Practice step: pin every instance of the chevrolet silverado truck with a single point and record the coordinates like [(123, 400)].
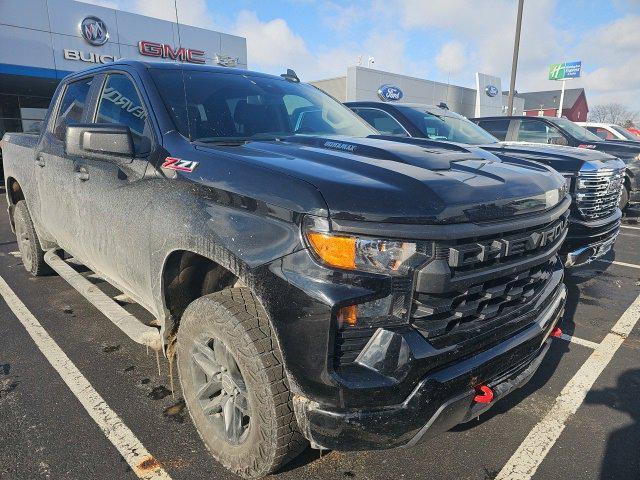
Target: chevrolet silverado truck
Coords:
[(594, 178), (564, 132), (318, 285)]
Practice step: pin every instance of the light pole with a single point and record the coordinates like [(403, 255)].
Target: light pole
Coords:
[(514, 63)]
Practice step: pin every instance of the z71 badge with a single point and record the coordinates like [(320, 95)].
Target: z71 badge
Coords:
[(179, 165)]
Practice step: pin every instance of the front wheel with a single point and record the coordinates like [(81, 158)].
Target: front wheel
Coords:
[(234, 383), (28, 243), (624, 198)]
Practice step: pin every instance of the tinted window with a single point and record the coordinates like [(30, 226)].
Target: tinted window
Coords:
[(209, 106), (603, 133), (381, 121), (72, 105), (498, 128), (576, 131), (624, 132), (442, 124), (120, 103), (536, 131)]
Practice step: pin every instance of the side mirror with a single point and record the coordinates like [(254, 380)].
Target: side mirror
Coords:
[(558, 141), (100, 141)]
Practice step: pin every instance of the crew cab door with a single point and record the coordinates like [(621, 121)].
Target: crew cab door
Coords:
[(55, 175), (114, 223)]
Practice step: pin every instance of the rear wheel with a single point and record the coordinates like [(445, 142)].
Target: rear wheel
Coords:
[(234, 384), (28, 243)]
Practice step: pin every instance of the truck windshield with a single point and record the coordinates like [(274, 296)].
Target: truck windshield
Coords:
[(446, 126), (219, 107), (625, 133), (576, 131)]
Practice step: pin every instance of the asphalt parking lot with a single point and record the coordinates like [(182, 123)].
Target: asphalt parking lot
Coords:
[(579, 417)]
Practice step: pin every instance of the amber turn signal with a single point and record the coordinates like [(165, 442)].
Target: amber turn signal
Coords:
[(348, 316), (334, 250)]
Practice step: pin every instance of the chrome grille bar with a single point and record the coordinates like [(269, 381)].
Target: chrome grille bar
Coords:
[(598, 192)]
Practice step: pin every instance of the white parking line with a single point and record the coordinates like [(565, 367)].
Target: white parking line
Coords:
[(630, 228), (143, 464), (579, 341), (620, 264), (532, 451)]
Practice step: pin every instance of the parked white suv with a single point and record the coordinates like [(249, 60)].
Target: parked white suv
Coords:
[(609, 131)]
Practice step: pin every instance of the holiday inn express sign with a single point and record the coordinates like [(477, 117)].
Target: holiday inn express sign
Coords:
[(562, 71)]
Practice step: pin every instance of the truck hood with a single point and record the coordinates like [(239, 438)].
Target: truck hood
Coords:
[(379, 180), (567, 160), (625, 150)]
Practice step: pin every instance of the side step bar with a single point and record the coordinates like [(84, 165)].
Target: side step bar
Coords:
[(125, 321)]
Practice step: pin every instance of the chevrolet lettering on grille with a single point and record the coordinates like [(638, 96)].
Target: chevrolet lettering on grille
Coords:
[(481, 252)]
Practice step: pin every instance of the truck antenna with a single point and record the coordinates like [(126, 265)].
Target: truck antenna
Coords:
[(290, 76)]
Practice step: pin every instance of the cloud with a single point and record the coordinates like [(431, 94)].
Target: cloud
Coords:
[(451, 58), (341, 18), (190, 12), (273, 46), (272, 43)]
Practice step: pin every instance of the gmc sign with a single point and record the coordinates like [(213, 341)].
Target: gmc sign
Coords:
[(163, 50)]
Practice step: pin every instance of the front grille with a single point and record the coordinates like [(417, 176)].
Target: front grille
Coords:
[(482, 252), (598, 193), (466, 288), (442, 317)]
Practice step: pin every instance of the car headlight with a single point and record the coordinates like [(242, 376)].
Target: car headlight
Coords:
[(351, 252)]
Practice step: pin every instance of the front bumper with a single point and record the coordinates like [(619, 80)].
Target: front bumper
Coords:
[(442, 399), (590, 240)]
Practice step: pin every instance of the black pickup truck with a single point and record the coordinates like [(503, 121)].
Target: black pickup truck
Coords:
[(594, 178), (317, 283), (561, 131)]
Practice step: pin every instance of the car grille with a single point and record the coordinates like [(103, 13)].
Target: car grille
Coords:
[(441, 318), (598, 193), (489, 280)]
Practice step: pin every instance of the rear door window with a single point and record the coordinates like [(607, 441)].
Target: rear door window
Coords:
[(496, 127), (537, 131), (72, 105)]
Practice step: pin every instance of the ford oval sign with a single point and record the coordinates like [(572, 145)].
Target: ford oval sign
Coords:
[(94, 31), (389, 93), (491, 90)]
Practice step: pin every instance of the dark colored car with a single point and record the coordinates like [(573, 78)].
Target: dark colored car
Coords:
[(560, 131), (319, 283), (594, 178)]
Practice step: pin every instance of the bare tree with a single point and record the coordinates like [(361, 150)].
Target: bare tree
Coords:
[(612, 113)]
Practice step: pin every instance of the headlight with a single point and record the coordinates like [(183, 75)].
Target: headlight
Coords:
[(350, 252)]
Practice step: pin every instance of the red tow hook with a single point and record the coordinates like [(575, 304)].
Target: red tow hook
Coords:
[(556, 332), (484, 394)]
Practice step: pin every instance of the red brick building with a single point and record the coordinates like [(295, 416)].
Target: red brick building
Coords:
[(574, 106)]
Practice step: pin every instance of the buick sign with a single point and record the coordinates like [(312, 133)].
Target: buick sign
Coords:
[(389, 93), (491, 90), (94, 31)]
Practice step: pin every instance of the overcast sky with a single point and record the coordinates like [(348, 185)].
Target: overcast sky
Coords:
[(444, 40)]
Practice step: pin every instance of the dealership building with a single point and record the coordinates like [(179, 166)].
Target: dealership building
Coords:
[(41, 41), (367, 84)]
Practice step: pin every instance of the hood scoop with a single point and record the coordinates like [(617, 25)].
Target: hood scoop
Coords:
[(434, 155)]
